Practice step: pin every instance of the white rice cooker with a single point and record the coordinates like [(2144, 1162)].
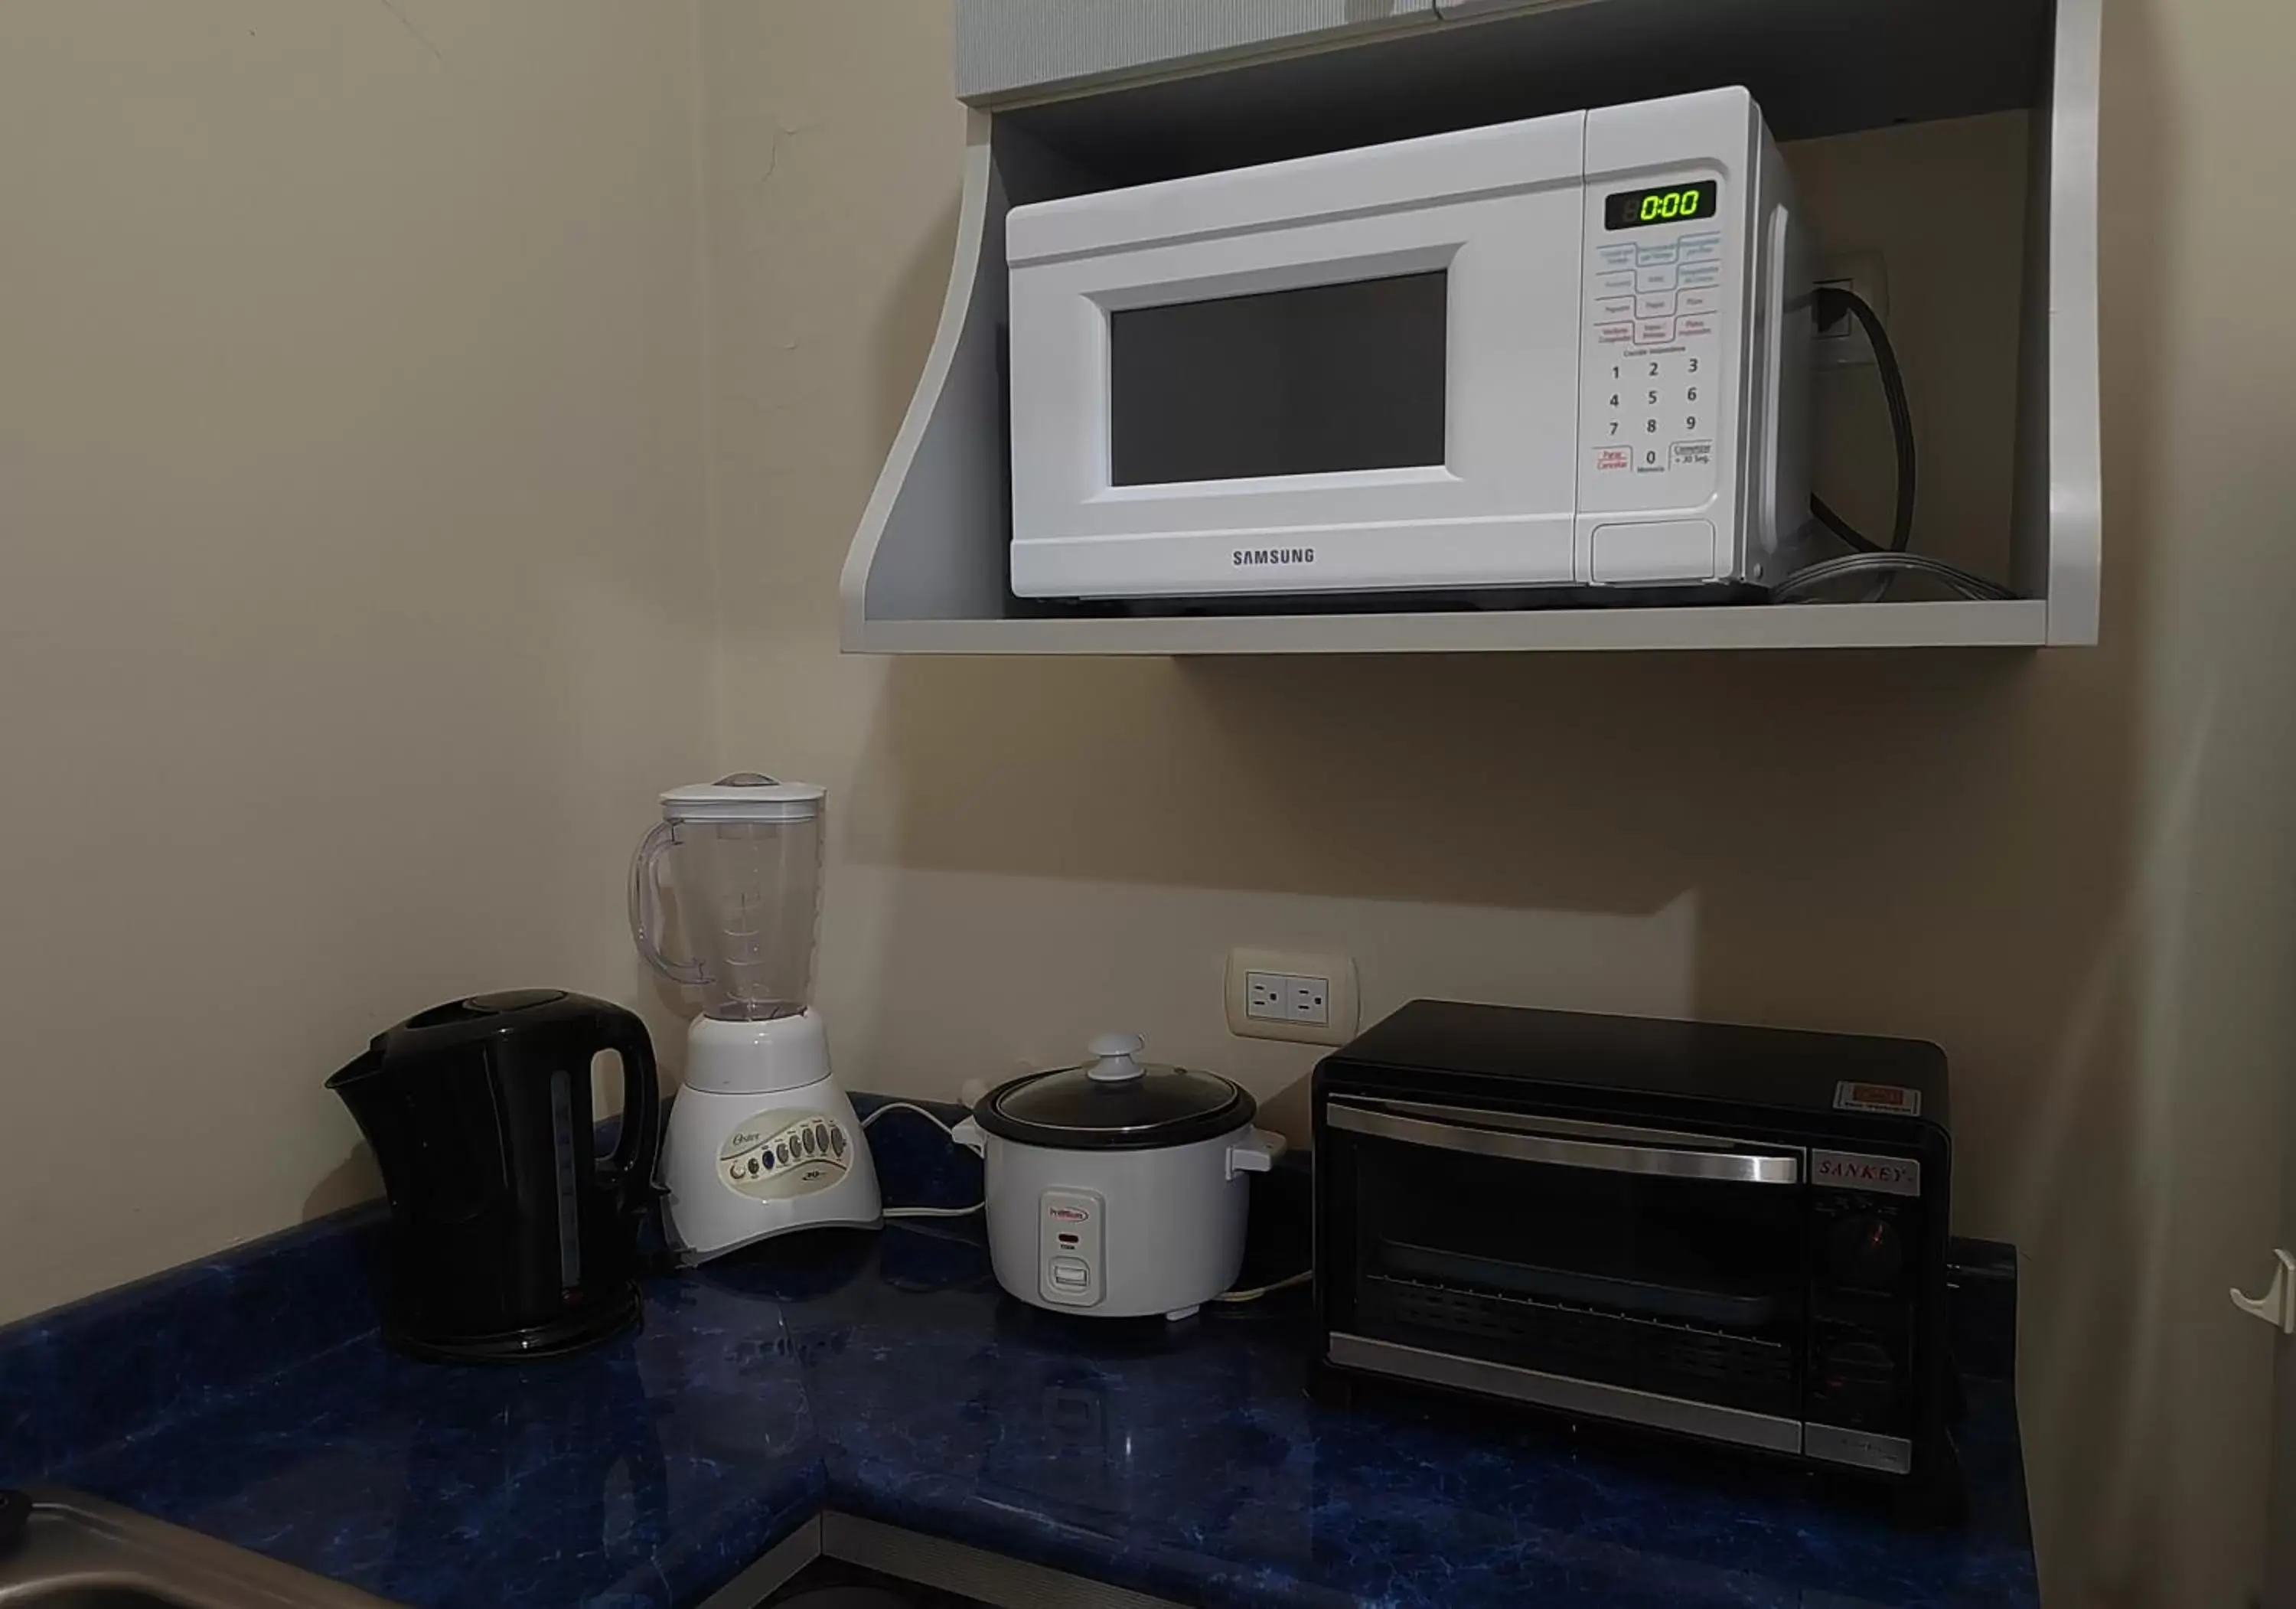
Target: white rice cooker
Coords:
[(1117, 1188)]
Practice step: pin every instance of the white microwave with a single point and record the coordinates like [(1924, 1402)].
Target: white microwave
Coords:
[(1569, 352)]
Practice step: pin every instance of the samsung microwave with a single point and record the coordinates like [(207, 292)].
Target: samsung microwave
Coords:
[(1569, 352)]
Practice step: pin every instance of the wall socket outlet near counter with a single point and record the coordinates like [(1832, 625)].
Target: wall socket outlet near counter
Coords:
[(1287, 995), (1845, 345)]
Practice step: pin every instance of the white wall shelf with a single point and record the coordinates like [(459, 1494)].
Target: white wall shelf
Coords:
[(2023, 623), (1182, 86)]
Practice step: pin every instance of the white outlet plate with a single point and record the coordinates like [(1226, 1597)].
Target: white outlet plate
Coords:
[(1267, 995), (1306, 998), (1845, 346)]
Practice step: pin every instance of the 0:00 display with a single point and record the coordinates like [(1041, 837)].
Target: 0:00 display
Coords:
[(1670, 204)]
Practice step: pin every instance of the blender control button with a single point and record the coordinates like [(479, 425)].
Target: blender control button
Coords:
[(767, 1158), (781, 1150), (837, 1141), (807, 1140), (753, 1167)]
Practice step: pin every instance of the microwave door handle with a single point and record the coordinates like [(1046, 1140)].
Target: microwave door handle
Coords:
[(1721, 1167)]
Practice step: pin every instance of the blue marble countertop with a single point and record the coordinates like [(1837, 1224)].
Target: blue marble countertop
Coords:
[(885, 1375)]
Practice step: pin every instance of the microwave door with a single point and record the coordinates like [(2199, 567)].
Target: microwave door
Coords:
[(1357, 372)]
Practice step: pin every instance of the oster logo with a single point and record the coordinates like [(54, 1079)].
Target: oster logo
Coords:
[(1847, 1170)]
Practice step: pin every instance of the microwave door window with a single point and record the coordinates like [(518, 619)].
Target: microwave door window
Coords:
[(1674, 1285), (1319, 379)]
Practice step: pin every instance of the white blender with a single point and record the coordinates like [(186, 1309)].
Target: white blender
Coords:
[(761, 1140)]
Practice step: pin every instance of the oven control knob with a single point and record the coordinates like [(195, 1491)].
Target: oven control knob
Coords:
[(1864, 1252)]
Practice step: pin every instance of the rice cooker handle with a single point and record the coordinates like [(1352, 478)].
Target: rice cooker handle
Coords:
[(1255, 1153), (967, 1134)]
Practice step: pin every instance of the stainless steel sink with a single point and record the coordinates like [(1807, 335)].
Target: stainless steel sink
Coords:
[(80, 1553)]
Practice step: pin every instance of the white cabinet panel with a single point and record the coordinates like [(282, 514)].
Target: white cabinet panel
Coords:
[(1010, 51)]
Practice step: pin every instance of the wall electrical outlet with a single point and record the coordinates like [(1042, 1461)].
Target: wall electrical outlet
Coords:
[(1844, 344), (1266, 997), (1308, 1000), (1280, 994)]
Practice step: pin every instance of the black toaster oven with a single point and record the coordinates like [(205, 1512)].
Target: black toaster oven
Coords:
[(1731, 1233)]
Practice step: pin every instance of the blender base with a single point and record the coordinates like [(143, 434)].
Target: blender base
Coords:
[(762, 1141)]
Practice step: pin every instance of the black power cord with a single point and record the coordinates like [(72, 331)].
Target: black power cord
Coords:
[(1833, 304)]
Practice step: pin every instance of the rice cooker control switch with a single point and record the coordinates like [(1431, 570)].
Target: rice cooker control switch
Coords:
[(1069, 1269)]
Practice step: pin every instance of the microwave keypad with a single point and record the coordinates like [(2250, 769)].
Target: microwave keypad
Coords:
[(1648, 409)]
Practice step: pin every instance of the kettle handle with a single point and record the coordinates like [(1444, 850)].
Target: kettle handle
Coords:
[(632, 1163), (645, 908)]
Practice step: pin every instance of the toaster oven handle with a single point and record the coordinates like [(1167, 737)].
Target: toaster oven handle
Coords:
[(1573, 1151)]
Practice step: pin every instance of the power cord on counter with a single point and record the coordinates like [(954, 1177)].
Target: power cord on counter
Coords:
[(1257, 1292), (911, 1106), (887, 1106), (1833, 304), (932, 1212)]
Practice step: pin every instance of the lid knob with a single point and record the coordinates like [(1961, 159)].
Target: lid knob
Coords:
[(1115, 1054)]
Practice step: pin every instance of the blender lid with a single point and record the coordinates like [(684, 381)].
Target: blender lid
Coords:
[(1115, 1102), (744, 796)]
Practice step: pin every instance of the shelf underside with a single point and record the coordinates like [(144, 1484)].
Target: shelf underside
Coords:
[(1817, 67), (2022, 623)]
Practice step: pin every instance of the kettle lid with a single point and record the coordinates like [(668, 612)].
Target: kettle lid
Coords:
[(472, 1018), (478, 1007)]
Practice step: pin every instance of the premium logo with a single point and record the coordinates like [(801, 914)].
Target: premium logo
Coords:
[(1274, 556), (1893, 1099)]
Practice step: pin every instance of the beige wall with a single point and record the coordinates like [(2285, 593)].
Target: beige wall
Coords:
[(353, 572), (2070, 869)]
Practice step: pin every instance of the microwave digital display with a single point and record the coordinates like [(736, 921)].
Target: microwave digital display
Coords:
[(1667, 204), (1319, 379)]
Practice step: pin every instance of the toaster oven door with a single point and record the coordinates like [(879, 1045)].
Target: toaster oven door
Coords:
[(1630, 1273)]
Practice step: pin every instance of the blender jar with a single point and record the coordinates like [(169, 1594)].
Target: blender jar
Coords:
[(744, 867)]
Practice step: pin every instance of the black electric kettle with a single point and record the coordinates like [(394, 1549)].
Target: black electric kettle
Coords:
[(509, 1236)]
